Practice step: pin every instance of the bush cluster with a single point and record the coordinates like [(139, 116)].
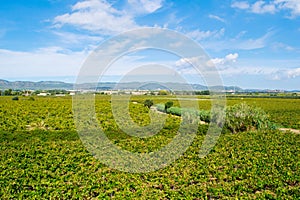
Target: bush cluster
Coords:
[(239, 117), (203, 115), (242, 117)]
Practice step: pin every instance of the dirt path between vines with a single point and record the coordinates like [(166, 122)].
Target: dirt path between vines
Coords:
[(290, 130)]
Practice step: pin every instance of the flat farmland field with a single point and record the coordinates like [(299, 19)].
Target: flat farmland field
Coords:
[(42, 156)]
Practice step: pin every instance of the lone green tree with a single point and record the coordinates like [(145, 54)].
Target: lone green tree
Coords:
[(169, 104), (8, 92), (163, 92), (148, 103)]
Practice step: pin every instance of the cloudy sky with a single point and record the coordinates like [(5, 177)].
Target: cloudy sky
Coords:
[(253, 43)]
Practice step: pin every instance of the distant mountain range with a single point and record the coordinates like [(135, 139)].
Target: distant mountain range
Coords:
[(50, 85), (29, 85)]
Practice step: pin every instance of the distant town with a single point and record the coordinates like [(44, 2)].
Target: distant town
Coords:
[(62, 93)]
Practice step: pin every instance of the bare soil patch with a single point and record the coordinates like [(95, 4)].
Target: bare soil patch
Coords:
[(290, 130)]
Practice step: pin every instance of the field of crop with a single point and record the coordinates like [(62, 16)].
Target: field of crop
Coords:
[(41, 155)]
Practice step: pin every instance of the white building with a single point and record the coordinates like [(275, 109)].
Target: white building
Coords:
[(43, 94)]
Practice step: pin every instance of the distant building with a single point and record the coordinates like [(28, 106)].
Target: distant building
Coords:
[(141, 92), (43, 94), (27, 93), (110, 92)]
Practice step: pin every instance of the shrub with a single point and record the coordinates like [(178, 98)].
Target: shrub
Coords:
[(217, 115), (204, 115), (242, 117), (31, 99), (174, 111), (148, 103), (190, 114), (160, 107), (15, 98)]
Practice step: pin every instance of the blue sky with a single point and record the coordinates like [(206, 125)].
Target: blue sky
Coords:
[(253, 43)]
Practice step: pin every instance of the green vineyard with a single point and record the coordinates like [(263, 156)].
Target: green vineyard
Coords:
[(42, 155)]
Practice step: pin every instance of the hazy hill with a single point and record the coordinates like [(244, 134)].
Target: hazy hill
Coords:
[(29, 85), (47, 85)]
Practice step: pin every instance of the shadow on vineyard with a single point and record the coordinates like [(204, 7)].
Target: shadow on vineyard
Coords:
[(257, 161)]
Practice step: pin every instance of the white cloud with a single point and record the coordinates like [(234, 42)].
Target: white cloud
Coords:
[(293, 73), (99, 16), (240, 34), (216, 18), (251, 43), (145, 6), (200, 35), (262, 7), (227, 68), (96, 15), (238, 43), (227, 60), (193, 64), (243, 5), (270, 70), (73, 38), (241, 70), (211, 40), (259, 7), (50, 61), (278, 46), (186, 62), (292, 5), (231, 57), (246, 70), (282, 74)]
